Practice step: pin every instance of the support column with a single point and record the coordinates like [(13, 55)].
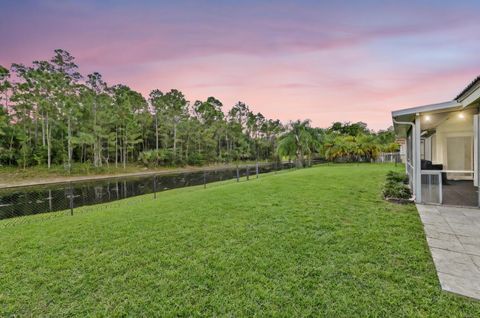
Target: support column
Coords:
[(477, 159), (416, 160), (475, 150), (406, 155)]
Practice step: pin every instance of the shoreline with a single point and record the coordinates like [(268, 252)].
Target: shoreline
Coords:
[(73, 179)]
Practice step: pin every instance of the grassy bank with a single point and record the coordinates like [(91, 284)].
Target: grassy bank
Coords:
[(310, 242)]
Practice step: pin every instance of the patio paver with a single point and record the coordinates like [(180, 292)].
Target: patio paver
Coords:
[(453, 236)]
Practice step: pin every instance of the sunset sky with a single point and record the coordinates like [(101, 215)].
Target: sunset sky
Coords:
[(348, 61)]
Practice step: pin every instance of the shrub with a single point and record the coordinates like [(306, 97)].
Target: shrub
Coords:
[(154, 158), (148, 158), (40, 155), (396, 190), (393, 176), (196, 159), (396, 186)]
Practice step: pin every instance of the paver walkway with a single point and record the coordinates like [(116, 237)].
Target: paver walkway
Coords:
[(453, 235)]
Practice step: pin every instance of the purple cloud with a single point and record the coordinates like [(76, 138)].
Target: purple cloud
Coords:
[(343, 61)]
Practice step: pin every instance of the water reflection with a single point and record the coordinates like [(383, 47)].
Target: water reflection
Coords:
[(48, 198)]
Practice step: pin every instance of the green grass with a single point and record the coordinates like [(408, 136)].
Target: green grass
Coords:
[(311, 242)]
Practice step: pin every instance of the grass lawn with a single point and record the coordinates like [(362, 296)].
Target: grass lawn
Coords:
[(311, 242)]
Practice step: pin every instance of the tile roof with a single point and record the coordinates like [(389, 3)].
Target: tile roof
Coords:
[(468, 88)]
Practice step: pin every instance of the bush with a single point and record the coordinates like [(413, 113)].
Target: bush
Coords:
[(40, 155), (396, 190), (152, 158), (393, 176), (196, 159), (148, 158), (396, 186)]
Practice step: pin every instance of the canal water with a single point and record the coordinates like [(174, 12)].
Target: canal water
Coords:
[(21, 201)]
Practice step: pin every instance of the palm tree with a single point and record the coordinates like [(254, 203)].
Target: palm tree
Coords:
[(335, 147), (351, 148), (369, 146), (299, 141)]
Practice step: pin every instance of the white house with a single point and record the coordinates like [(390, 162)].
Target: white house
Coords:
[(442, 148)]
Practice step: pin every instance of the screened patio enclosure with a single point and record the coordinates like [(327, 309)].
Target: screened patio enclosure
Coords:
[(442, 149), (447, 172)]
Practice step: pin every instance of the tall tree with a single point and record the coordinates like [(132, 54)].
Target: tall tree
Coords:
[(128, 105), (4, 86), (211, 116), (157, 102), (65, 78), (237, 123), (98, 88), (176, 109), (41, 77)]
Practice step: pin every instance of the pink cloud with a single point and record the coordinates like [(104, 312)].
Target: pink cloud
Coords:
[(288, 61)]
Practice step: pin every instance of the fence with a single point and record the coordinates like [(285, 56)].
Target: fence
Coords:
[(27, 204), (394, 157)]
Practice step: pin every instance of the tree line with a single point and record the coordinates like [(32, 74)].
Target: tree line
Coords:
[(50, 114)]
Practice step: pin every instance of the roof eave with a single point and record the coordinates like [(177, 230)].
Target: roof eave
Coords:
[(427, 108)]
